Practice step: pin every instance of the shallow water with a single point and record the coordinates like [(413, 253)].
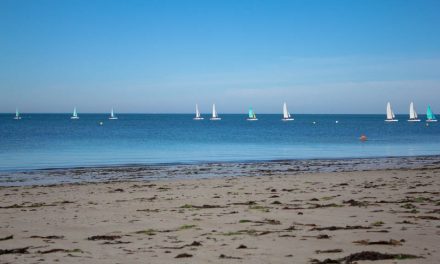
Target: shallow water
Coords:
[(54, 141)]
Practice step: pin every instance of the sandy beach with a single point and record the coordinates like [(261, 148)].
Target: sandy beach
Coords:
[(318, 217), (220, 132)]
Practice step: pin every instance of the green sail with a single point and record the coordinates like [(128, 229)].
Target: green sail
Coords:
[(429, 114), (251, 113)]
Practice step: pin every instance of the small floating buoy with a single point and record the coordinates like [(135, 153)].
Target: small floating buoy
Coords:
[(337, 122), (101, 123), (314, 122), (427, 124), (363, 138)]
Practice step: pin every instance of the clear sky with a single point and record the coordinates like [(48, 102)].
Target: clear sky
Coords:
[(165, 56)]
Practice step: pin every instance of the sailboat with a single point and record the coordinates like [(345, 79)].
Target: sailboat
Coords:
[(214, 114), (112, 115), (74, 115), (198, 117), (17, 115), (430, 117), (390, 114), (286, 114), (252, 116), (412, 114)]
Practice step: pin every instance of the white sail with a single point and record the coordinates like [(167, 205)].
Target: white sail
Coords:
[(198, 117), (390, 114), (112, 115), (74, 115), (286, 113), (412, 112), (214, 112), (197, 111)]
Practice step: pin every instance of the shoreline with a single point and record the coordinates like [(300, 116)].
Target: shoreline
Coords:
[(262, 218), (195, 163), (177, 171)]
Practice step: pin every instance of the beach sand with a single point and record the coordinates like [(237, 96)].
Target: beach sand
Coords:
[(260, 219)]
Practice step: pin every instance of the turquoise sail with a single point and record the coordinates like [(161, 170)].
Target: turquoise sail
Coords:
[(429, 114), (251, 113)]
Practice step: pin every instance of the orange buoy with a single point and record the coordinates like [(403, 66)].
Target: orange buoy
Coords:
[(363, 138)]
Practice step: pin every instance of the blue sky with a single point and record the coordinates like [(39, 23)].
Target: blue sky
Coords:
[(165, 56)]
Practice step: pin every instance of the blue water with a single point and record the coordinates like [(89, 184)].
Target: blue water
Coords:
[(54, 141)]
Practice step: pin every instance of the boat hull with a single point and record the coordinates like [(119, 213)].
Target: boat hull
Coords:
[(413, 120), (431, 120), (74, 117), (112, 118), (391, 120), (252, 119), (215, 118), (17, 118), (198, 118), (287, 119)]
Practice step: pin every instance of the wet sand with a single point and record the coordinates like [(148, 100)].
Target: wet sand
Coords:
[(270, 217), (210, 170)]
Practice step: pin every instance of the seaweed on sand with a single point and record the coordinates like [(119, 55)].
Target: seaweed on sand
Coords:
[(56, 250), (183, 255), (14, 251), (6, 238), (391, 242), (334, 228), (104, 237), (364, 255), (223, 256)]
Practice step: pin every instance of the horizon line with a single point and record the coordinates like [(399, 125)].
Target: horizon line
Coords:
[(185, 113)]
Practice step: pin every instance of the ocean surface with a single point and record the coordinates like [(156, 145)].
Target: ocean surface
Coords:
[(39, 141)]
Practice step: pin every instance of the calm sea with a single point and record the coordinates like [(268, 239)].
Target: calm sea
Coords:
[(55, 141)]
